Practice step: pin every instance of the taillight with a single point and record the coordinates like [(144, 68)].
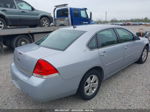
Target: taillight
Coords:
[(44, 69)]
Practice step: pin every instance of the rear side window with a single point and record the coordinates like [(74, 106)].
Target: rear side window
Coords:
[(93, 43), (106, 38), (60, 39), (124, 35), (23, 5), (62, 13), (7, 4)]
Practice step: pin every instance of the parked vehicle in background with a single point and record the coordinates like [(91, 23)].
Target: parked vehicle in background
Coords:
[(67, 16), (20, 13), (95, 52), (147, 35)]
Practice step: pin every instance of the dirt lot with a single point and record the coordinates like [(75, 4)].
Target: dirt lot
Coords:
[(129, 89)]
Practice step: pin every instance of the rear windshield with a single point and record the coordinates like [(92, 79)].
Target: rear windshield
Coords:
[(60, 39), (62, 13)]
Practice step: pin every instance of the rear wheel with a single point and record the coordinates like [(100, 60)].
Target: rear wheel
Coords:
[(20, 41), (45, 22), (144, 56), (2, 24), (90, 85)]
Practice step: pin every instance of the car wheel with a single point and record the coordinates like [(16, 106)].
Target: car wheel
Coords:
[(2, 24), (45, 22), (90, 85), (20, 41), (144, 56)]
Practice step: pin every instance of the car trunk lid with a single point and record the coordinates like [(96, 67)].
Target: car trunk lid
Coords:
[(26, 57)]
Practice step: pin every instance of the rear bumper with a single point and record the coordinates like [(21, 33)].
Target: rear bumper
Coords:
[(40, 89)]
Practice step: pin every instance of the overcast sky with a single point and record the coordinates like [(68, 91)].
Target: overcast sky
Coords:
[(119, 9)]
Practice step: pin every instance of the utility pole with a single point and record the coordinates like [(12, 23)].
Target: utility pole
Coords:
[(106, 16)]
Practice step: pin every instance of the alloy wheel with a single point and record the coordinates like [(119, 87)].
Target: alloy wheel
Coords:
[(91, 85), (45, 22)]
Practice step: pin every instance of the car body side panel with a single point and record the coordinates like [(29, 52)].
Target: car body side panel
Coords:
[(11, 15), (133, 51), (112, 58)]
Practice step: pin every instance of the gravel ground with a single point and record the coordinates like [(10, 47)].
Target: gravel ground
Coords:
[(129, 89)]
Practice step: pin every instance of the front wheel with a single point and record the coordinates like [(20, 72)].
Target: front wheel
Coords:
[(144, 56), (45, 22), (89, 85)]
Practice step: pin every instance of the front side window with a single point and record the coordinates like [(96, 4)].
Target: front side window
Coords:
[(84, 14), (60, 39), (124, 35), (23, 5), (106, 38), (7, 4)]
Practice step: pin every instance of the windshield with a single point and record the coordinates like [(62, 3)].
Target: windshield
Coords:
[(60, 39)]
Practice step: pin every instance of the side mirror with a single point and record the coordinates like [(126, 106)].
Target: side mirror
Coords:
[(90, 15), (136, 37)]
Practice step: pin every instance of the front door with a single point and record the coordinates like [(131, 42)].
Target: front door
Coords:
[(130, 45), (27, 14), (110, 52)]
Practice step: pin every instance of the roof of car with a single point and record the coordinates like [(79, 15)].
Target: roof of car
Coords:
[(94, 27)]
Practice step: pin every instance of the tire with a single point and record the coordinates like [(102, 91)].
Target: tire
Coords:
[(3, 24), (143, 56), (1, 48), (20, 41), (45, 22), (86, 85)]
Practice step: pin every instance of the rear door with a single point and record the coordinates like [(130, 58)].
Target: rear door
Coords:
[(110, 52), (131, 46), (10, 11)]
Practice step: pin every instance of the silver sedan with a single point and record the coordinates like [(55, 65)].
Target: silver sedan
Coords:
[(75, 60)]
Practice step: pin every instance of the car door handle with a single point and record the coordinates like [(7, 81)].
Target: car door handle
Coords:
[(23, 11), (103, 53)]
